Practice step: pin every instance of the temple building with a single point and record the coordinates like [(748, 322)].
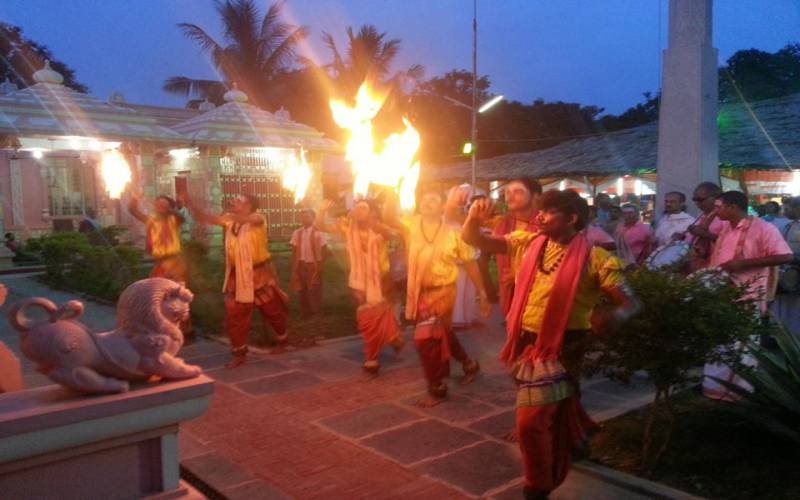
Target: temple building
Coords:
[(53, 141)]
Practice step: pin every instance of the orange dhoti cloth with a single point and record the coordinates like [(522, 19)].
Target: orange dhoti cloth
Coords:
[(269, 299), (433, 333), (378, 327)]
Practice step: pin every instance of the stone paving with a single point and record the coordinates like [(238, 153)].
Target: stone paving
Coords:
[(308, 424)]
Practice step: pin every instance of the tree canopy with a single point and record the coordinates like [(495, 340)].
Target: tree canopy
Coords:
[(21, 57), (254, 53)]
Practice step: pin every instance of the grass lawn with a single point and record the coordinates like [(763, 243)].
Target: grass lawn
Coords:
[(714, 453), (338, 314)]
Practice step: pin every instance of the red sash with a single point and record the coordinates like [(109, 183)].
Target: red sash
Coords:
[(559, 306)]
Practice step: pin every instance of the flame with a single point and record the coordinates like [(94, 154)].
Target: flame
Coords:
[(297, 176), (393, 164), (116, 173)]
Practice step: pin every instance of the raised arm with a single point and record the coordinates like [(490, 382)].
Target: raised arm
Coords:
[(133, 208), (200, 216), (454, 206), (481, 211), (321, 221)]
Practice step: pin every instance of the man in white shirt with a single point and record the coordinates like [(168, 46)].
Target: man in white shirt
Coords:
[(308, 256), (675, 219)]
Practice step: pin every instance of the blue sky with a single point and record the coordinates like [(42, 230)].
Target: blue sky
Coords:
[(602, 52)]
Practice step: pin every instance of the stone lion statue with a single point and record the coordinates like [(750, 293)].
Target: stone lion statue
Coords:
[(144, 343)]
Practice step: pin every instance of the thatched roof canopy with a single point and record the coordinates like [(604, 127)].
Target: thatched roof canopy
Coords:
[(742, 144)]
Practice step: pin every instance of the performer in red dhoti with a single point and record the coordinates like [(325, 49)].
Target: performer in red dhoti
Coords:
[(369, 279), (250, 279), (163, 241), (521, 198), (559, 278), (434, 251), (308, 257)]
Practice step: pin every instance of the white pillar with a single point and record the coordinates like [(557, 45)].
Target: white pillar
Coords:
[(687, 126)]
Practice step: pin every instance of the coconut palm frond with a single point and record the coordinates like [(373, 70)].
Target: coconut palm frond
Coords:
[(206, 42), (286, 52), (240, 23), (182, 85)]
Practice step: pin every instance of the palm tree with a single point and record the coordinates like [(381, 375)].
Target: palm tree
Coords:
[(255, 53), (369, 57)]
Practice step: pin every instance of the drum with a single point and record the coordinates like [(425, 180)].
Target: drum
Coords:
[(789, 279), (670, 257)]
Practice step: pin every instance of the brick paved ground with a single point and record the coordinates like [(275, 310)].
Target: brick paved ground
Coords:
[(308, 424)]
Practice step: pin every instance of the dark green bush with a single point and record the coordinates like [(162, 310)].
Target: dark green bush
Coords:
[(72, 262), (682, 324)]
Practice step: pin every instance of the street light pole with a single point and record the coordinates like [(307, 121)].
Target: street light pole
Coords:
[(474, 89)]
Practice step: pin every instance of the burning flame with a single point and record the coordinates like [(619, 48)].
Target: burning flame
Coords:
[(296, 177), (393, 165), (116, 173)]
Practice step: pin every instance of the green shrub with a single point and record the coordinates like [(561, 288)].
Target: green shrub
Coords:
[(71, 261), (682, 324)]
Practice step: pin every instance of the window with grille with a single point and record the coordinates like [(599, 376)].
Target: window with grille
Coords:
[(71, 186), (257, 172)]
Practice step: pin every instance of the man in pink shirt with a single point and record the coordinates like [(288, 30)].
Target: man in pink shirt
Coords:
[(705, 229), (634, 238), (746, 248)]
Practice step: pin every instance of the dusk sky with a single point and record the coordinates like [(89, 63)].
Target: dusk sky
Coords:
[(601, 52)]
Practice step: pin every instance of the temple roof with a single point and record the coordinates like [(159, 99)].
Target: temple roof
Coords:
[(48, 108), (237, 123), (762, 135)]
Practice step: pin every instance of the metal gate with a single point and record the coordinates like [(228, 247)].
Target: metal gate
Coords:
[(256, 172)]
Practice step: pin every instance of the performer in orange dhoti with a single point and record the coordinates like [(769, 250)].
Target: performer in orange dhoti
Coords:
[(250, 279), (559, 278), (163, 241), (369, 279), (434, 251)]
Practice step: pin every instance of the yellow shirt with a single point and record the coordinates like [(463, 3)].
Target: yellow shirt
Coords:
[(163, 236), (453, 251), (258, 240), (602, 272)]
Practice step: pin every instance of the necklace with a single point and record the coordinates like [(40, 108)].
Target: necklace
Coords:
[(436, 233), (555, 265)]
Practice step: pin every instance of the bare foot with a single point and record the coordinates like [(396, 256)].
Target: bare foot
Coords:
[(471, 370), (429, 401), (282, 339), (512, 436)]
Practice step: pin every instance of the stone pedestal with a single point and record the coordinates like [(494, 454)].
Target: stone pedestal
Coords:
[(56, 444)]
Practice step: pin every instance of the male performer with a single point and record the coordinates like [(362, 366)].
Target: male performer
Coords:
[(675, 220), (435, 249), (521, 199), (163, 237), (634, 238), (308, 258), (369, 281), (559, 280), (250, 279), (705, 229), (746, 248)]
